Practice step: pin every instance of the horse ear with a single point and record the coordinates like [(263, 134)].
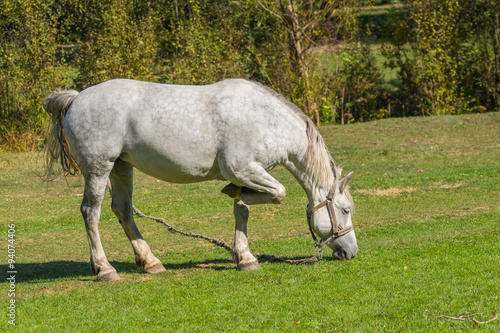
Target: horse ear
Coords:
[(336, 175), (345, 182)]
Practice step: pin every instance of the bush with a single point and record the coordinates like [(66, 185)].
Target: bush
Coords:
[(29, 70), (447, 55), (116, 44), (361, 86)]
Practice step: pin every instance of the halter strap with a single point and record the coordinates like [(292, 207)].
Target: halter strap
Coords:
[(337, 230)]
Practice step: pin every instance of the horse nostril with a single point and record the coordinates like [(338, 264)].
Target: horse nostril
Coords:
[(339, 254)]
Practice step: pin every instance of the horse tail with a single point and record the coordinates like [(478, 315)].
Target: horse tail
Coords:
[(57, 146)]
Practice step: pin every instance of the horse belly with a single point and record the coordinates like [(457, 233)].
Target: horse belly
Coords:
[(171, 168), (176, 153)]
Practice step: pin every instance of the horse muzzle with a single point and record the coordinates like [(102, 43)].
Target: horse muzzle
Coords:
[(341, 254)]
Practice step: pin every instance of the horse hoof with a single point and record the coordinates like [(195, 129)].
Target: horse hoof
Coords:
[(231, 190), (158, 268), (249, 266), (108, 276)]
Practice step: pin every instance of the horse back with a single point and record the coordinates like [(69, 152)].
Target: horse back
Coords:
[(180, 133)]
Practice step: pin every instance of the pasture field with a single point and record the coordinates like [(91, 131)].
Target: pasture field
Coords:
[(427, 222)]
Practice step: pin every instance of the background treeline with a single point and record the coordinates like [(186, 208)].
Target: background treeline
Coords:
[(339, 60)]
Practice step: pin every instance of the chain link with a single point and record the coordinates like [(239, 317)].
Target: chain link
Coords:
[(319, 250), (222, 243)]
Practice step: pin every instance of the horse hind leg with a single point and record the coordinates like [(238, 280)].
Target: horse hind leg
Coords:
[(121, 191), (95, 187)]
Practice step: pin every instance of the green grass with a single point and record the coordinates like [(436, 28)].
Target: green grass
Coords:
[(427, 223)]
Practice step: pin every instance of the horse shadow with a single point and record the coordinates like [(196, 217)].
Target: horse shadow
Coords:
[(54, 270)]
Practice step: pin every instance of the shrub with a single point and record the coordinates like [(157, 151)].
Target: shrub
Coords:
[(447, 55), (116, 44), (29, 70)]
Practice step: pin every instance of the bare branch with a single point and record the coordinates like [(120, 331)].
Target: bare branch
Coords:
[(316, 44), (269, 11), (485, 322), (463, 317)]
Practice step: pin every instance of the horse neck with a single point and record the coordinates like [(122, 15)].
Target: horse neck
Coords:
[(310, 163), (315, 186)]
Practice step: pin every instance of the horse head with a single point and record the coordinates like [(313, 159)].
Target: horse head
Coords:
[(331, 219)]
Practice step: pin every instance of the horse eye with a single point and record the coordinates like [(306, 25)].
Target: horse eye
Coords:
[(346, 210)]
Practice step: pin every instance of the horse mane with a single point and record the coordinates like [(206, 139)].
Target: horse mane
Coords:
[(317, 159)]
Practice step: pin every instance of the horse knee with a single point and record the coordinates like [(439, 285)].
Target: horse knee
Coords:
[(88, 212), (84, 209), (279, 195)]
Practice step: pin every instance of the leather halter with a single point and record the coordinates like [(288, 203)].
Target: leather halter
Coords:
[(338, 231)]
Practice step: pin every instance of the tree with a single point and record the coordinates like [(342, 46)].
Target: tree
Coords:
[(29, 69), (307, 26), (116, 43), (447, 55)]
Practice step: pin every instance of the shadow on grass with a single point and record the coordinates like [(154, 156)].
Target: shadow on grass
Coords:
[(37, 272), (215, 264)]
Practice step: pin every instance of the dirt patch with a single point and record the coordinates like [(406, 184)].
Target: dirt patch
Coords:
[(47, 291), (388, 192), (397, 191), (445, 185)]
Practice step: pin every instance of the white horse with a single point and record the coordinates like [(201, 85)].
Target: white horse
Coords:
[(234, 130)]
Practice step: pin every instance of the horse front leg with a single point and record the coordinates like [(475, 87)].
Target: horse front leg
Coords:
[(241, 252), (95, 187), (250, 186)]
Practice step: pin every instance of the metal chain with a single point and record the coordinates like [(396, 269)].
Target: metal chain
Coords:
[(319, 250), (222, 243)]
